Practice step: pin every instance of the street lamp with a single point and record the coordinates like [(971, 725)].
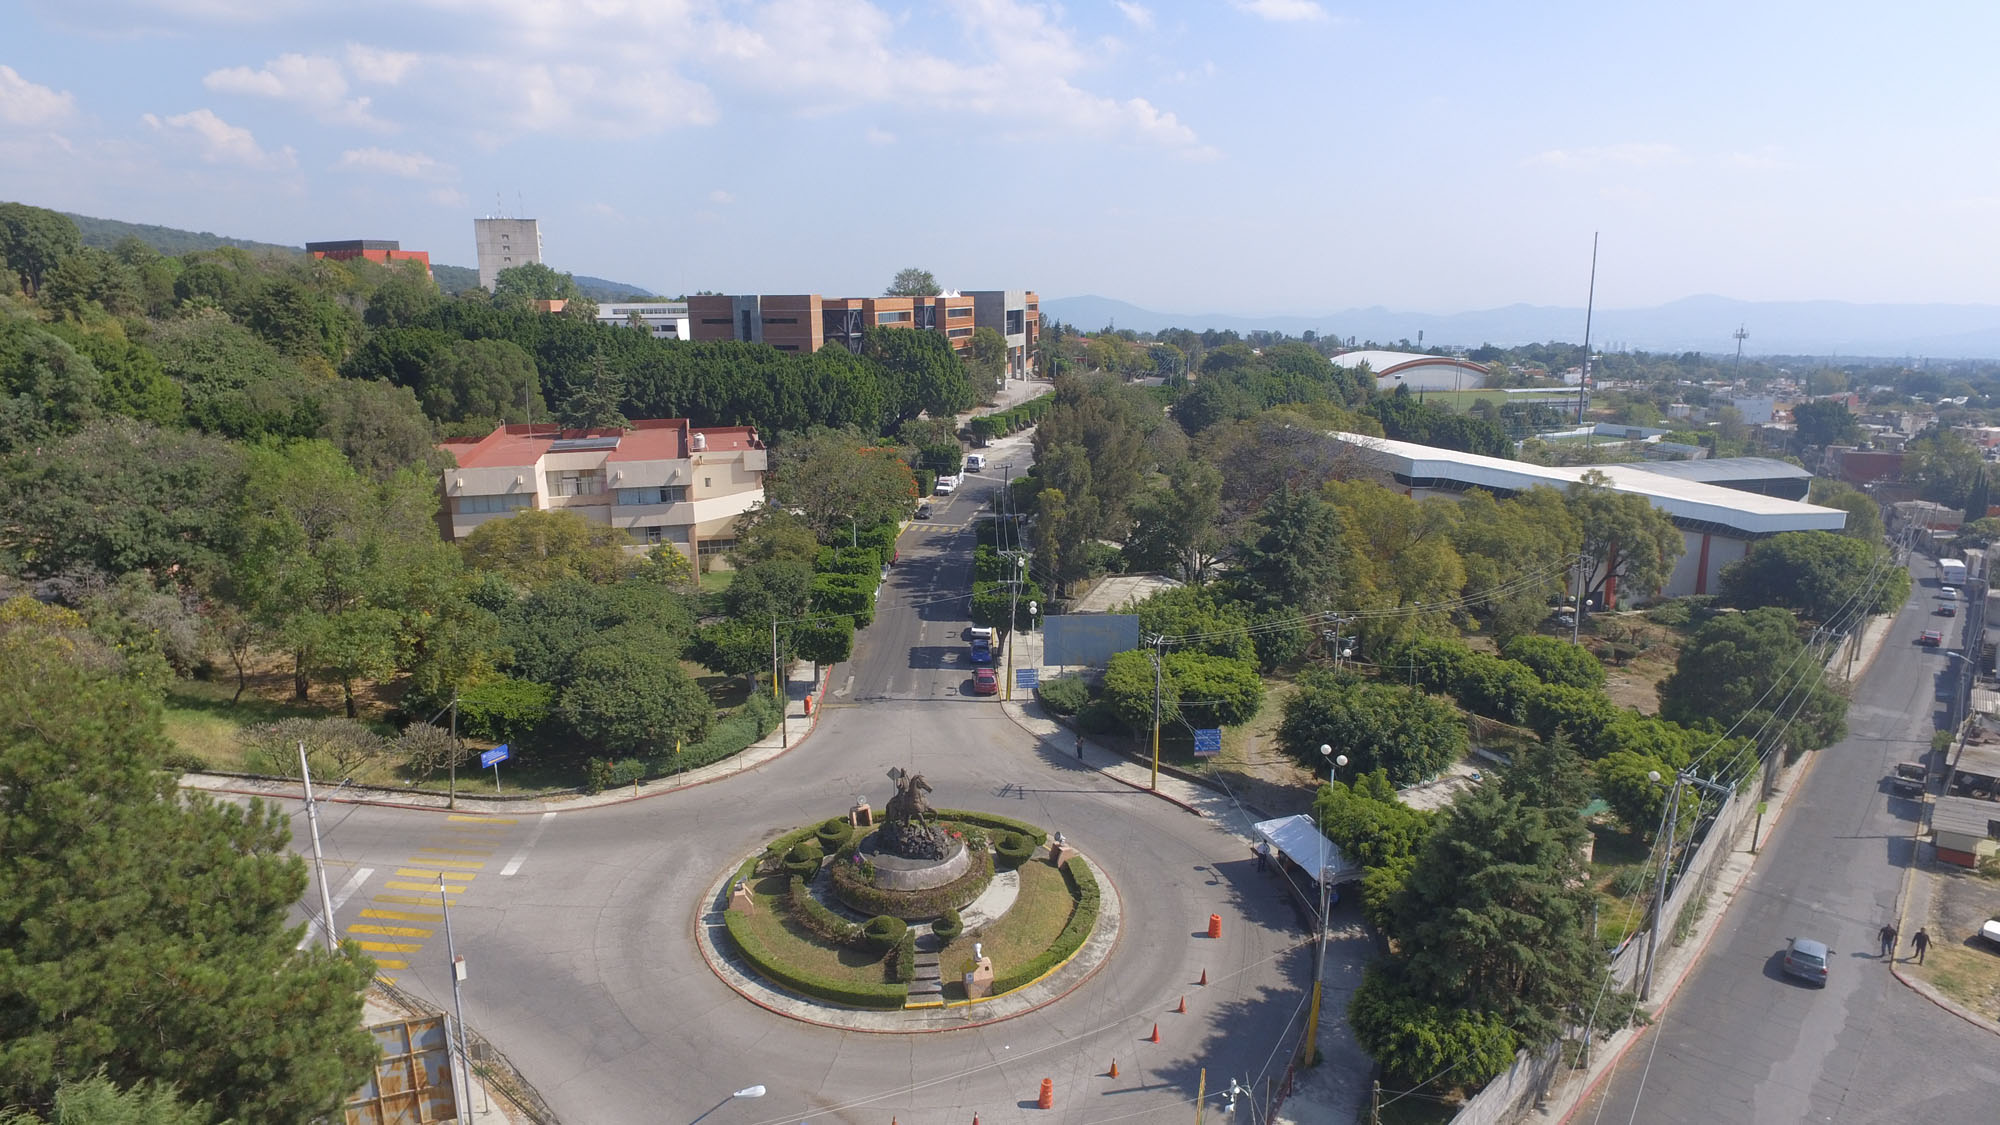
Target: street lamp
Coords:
[(1335, 763), (749, 1092), (1034, 611)]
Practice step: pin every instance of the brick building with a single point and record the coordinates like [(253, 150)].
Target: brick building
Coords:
[(372, 249), (806, 322)]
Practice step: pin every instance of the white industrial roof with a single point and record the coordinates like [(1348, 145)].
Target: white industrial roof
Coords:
[(1682, 499), (1296, 837), (1384, 363)]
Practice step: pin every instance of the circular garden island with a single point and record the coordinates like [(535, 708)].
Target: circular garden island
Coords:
[(922, 908)]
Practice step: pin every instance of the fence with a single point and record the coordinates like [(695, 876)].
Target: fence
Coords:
[(489, 1067)]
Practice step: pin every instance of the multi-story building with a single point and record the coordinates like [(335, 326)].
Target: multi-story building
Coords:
[(504, 244), (372, 249), (666, 320), (806, 322), (1016, 314), (663, 480)]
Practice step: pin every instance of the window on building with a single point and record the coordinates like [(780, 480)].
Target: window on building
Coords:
[(666, 494), (484, 505), (786, 347), (715, 320), (716, 547), (1016, 322), (958, 333), (781, 320), (956, 313), (575, 482), (893, 316)]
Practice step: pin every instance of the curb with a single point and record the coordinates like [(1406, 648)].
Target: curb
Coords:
[(1172, 800)]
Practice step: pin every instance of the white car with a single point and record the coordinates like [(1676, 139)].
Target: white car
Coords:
[(945, 486), (1948, 593), (974, 463)]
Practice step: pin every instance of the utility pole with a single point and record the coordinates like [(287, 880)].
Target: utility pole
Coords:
[(1583, 383), (1201, 1096), (1319, 956), (457, 1002), (1660, 886), (319, 861), (1013, 615), (451, 802), (1159, 645), (778, 687), (1576, 611)]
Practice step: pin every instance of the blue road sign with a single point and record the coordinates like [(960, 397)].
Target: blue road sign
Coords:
[(1208, 743), (1027, 678), (494, 756)]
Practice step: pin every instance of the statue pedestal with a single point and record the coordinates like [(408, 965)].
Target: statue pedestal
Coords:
[(739, 898), (979, 982), (1059, 854), (861, 816)]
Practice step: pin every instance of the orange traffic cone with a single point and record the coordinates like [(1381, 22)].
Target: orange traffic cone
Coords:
[(1156, 1033), (1215, 925), (1048, 1098), (1114, 1069), (1181, 1010), (1204, 978)]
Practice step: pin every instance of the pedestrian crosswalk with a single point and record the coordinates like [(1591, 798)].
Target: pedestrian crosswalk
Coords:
[(401, 919)]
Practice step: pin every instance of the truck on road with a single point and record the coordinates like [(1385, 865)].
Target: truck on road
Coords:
[(1951, 572)]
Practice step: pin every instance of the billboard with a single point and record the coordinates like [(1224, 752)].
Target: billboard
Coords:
[(1088, 639)]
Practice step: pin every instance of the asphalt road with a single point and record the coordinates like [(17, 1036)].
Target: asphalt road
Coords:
[(577, 927), (1742, 1042)]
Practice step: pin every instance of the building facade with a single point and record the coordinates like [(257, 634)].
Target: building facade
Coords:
[(807, 322), (666, 320), (662, 481), (503, 244), (371, 249)]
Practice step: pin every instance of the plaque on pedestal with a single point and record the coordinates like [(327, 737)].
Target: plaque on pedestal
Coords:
[(739, 898), (861, 816), (1059, 853), (979, 982)]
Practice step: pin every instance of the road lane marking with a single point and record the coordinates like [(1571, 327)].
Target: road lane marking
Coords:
[(390, 963), (481, 819), (434, 873), (405, 915), (458, 851), (388, 931), (346, 892), (391, 946), (385, 978), (474, 864), (521, 856), (415, 900)]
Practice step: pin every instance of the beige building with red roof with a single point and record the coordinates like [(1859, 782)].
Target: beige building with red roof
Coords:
[(663, 480)]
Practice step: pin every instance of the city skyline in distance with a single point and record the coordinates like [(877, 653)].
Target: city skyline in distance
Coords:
[(1260, 157)]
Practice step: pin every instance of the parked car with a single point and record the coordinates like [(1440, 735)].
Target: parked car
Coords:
[(945, 486), (975, 462), (1909, 778), (985, 681), (980, 633), (1931, 638), (1991, 931), (1948, 593), (1947, 610), (982, 651), (924, 510), (1807, 959)]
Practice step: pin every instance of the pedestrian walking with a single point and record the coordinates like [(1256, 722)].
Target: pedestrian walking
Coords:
[(1079, 748), (1888, 935), (1922, 941), (1263, 851)]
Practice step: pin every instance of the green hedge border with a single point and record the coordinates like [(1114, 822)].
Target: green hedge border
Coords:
[(995, 821), (777, 972), (911, 905), (1082, 921)]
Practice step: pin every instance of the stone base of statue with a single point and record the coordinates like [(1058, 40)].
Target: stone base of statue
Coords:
[(897, 871), (913, 840)]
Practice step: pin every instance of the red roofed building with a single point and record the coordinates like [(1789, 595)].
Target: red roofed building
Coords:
[(662, 480), (374, 250)]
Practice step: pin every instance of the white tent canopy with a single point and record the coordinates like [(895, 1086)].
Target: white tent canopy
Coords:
[(1296, 839)]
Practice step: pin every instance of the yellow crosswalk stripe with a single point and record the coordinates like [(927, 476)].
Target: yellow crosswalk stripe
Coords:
[(481, 819), (431, 887), (474, 864), (458, 851), (388, 931), (434, 873), (405, 915), (385, 978), (390, 946), (390, 963)]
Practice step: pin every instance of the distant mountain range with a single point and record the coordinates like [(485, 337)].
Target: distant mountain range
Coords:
[(107, 233), (1705, 323)]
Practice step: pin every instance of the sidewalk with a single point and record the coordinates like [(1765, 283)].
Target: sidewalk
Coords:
[(799, 687)]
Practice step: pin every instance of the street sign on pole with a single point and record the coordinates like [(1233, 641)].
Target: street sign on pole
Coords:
[(493, 758), (1208, 743), (1027, 678)]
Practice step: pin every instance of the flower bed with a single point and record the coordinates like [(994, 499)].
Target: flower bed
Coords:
[(994, 822)]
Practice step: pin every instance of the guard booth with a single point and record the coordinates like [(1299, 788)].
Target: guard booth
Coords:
[(1308, 858)]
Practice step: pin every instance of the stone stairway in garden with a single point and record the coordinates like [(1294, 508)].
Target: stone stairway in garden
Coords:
[(927, 985)]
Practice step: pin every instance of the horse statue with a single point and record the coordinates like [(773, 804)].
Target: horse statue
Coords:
[(909, 827), (908, 805)]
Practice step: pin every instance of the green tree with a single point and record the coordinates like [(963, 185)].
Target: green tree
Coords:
[(1743, 669), (734, 648), (96, 1100), (1555, 661), (1549, 774), (595, 405), (986, 361), (406, 298), (533, 281), (830, 477), (532, 548), (1516, 553), (147, 931), (913, 282), (1864, 518), (633, 701), (1215, 691), (33, 240), (92, 278), (1943, 466), (1368, 822), (1406, 732), (1825, 423), (1299, 553), (1626, 540), (921, 374), (544, 631), (1128, 691), (1820, 575), (1176, 525), (486, 380), (1416, 1040), (1400, 556)]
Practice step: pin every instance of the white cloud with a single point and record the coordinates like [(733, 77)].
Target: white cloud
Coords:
[(448, 197), (379, 64), (1283, 11), (875, 136), (1140, 15), (408, 165), (24, 103), (1627, 155), (219, 141), (312, 82), (720, 196)]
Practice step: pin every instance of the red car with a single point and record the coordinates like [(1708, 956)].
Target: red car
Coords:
[(985, 681), (1931, 638)]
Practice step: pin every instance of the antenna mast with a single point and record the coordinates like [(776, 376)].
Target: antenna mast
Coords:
[(1590, 304), (1741, 336)]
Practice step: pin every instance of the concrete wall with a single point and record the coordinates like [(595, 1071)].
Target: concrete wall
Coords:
[(503, 244)]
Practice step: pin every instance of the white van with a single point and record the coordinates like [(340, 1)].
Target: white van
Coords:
[(979, 633), (974, 462)]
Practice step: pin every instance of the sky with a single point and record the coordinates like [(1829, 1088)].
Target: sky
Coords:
[(1251, 157)]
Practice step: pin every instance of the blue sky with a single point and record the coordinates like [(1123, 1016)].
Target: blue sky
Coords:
[(1239, 156)]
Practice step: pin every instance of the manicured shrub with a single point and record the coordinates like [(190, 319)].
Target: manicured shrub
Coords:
[(1083, 885), (948, 926), (905, 969), (599, 774), (994, 822), (815, 917), (884, 932), (1065, 695), (775, 970), (803, 859), (851, 886), (776, 850), (1012, 850), (833, 835)]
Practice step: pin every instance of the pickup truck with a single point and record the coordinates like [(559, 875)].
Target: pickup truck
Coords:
[(1908, 780)]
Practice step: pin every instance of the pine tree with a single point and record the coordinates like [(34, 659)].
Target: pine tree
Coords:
[(1549, 775), (142, 930)]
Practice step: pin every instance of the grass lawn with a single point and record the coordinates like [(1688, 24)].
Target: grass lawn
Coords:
[(727, 693), (201, 721), (1028, 929), (798, 948), (1964, 972), (1615, 853), (716, 581)]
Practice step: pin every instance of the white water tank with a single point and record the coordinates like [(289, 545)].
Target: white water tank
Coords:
[(699, 442)]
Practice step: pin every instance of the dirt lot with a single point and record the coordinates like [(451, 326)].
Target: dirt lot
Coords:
[(1960, 964)]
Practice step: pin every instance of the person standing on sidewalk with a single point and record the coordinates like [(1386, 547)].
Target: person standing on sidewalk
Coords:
[(1263, 851), (1888, 935), (1079, 747), (1921, 941)]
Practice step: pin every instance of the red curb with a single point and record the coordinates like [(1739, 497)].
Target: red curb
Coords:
[(1175, 801)]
